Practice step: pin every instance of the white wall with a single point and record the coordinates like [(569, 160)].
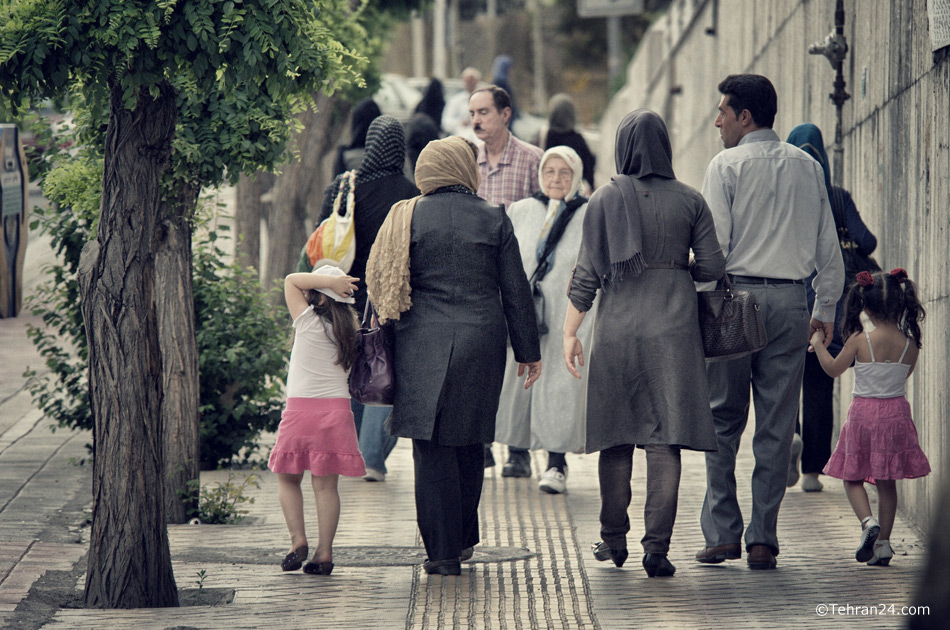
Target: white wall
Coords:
[(896, 138)]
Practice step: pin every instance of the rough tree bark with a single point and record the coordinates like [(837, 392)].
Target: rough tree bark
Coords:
[(129, 563), (176, 326), (298, 190), (247, 217)]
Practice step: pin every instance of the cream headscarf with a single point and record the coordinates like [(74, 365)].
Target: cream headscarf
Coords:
[(447, 162), (573, 160)]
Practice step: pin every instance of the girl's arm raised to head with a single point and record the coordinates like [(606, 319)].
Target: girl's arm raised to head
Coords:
[(296, 286), (835, 366)]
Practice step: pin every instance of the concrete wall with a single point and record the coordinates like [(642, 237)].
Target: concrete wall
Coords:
[(896, 129)]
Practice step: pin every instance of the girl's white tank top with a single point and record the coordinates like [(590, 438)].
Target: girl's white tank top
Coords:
[(880, 379), (313, 371)]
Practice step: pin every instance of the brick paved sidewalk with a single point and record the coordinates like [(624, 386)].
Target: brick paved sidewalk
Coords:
[(537, 570)]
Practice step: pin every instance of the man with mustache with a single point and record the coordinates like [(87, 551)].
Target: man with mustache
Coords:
[(508, 166)]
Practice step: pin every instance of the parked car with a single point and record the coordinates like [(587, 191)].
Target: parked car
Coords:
[(397, 97)]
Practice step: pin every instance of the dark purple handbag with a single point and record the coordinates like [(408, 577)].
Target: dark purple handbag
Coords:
[(372, 381)]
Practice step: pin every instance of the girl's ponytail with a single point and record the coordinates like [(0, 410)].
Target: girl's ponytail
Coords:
[(343, 325), (913, 310), (853, 305)]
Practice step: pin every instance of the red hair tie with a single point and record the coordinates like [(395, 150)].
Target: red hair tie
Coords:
[(865, 279), (899, 274)]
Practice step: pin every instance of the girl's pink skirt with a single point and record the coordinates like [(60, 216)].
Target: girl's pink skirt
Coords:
[(319, 435), (879, 441)]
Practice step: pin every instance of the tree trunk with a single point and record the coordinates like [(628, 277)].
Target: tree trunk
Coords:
[(298, 191), (248, 215), (129, 563), (175, 305)]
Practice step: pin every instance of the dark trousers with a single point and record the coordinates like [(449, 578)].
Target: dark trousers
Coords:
[(818, 416), (615, 469), (448, 489)]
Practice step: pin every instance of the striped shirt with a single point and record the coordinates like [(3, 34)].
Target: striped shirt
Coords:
[(516, 175)]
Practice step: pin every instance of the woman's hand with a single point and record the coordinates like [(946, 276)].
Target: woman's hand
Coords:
[(573, 348), (534, 371)]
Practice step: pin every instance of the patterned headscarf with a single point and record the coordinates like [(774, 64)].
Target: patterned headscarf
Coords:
[(385, 150), (385, 155), (447, 162)]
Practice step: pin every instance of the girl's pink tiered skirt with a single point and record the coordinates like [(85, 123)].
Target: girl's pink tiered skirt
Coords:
[(319, 435), (879, 441)]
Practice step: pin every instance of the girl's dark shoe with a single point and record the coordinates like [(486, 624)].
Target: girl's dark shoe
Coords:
[(293, 560), (603, 553), (318, 568), (657, 565), (449, 566)]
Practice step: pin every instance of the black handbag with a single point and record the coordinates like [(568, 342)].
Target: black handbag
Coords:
[(538, 296), (550, 244), (372, 379), (731, 323), (854, 261)]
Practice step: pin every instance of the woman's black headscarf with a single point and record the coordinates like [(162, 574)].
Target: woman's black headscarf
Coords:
[(612, 233), (365, 112), (433, 102)]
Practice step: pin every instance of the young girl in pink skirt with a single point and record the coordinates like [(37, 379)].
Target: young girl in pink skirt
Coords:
[(878, 443), (316, 431)]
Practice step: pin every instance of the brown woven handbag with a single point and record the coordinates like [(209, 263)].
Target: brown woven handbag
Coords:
[(731, 323)]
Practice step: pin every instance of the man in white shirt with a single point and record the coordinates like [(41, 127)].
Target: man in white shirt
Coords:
[(775, 225), (456, 120)]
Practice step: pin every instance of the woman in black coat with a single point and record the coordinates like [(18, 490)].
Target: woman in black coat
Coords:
[(447, 268)]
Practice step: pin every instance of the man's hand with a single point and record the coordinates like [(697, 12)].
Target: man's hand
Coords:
[(827, 329)]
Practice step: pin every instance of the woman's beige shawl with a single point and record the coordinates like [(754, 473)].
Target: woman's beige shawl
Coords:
[(447, 162)]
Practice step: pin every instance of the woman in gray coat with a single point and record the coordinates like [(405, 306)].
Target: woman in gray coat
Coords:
[(646, 379), (446, 267)]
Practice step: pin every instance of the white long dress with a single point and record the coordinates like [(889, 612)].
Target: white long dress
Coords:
[(551, 415)]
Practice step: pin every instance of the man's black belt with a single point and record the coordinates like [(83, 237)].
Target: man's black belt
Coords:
[(761, 280)]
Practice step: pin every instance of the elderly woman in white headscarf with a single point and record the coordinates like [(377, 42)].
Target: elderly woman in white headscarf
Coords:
[(551, 415)]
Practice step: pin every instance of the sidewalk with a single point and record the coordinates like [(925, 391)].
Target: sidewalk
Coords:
[(533, 568)]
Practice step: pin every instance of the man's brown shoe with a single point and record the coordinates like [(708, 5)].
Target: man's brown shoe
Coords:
[(715, 555), (761, 557)]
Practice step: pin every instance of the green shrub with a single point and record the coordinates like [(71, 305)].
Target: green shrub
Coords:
[(242, 357), (220, 505), (242, 339)]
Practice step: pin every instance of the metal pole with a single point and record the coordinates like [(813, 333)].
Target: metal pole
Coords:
[(839, 96), (835, 49)]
